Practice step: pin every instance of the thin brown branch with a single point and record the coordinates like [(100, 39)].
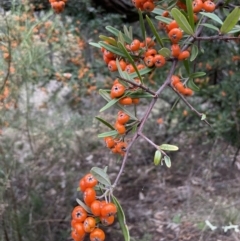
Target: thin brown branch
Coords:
[(138, 85), (189, 105)]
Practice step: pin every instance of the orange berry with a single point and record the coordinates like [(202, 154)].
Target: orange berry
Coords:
[(106, 221), (188, 92), (123, 118), (135, 101), (149, 61), (175, 50), (122, 64), (129, 69), (97, 235), (125, 101), (175, 35), (109, 142), (117, 90), (90, 180), (78, 227), (108, 54), (82, 185), (109, 209), (148, 6), (96, 208), (159, 61), (150, 52), (75, 236), (197, 6), (175, 79), (89, 196), (209, 6), (180, 87), (135, 45), (120, 128), (89, 224), (172, 25), (121, 149), (183, 55), (165, 14), (79, 214), (112, 66)]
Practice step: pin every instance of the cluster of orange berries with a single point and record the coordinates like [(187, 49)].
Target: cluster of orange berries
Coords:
[(144, 5), (178, 85), (58, 5), (101, 212), (116, 146), (199, 5), (118, 90)]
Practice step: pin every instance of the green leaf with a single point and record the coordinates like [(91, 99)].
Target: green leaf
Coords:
[(167, 161), (83, 205), (236, 29), (165, 52), (194, 52), (208, 25), (104, 122), (112, 30), (109, 104), (112, 49), (182, 21), (141, 72), (142, 24), (121, 219), (168, 147), (104, 94), (154, 31), (192, 85), (197, 75), (95, 44), (158, 11), (140, 95), (213, 17), (203, 117), (101, 176), (186, 65), (130, 59), (108, 133), (157, 157), (128, 33), (230, 21), (190, 13), (109, 40), (164, 19)]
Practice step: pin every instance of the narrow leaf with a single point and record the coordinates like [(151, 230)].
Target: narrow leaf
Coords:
[(208, 25), (121, 219), (141, 72), (167, 161), (95, 45), (154, 31), (194, 53), (230, 21), (104, 122), (164, 19), (112, 30), (157, 157), (112, 48), (192, 85), (182, 21), (108, 133), (109, 40), (101, 176), (109, 104), (190, 13), (213, 17), (104, 94), (142, 24), (168, 147), (197, 75), (83, 205)]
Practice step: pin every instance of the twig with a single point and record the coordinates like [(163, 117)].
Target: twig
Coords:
[(138, 85), (152, 143), (189, 105)]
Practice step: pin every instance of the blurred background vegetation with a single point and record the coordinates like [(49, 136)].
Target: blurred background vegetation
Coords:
[(49, 80)]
